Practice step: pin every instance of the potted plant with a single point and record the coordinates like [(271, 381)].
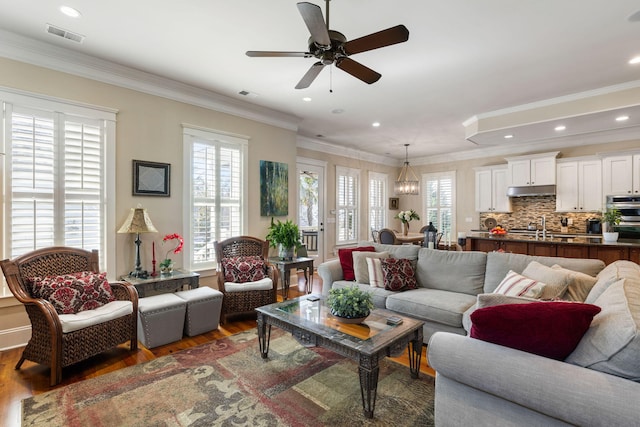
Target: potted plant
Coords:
[(285, 236), (610, 218), (350, 305)]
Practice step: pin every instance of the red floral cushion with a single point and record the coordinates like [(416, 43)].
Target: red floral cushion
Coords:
[(346, 260), (398, 274), (72, 293), (549, 329), (243, 269)]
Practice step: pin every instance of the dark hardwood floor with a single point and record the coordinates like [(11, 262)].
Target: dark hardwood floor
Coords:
[(33, 379)]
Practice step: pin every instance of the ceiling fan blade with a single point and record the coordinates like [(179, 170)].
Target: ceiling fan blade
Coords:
[(358, 70), (393, 35), (312, 16), (270, 53), (310, 75)]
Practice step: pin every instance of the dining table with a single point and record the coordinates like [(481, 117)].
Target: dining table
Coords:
[(414, 238)]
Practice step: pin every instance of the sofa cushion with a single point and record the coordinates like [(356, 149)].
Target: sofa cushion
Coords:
[(516, 285), (549, 329), (73, 293), (499, 263), (241, 269), (82, 319), (360, 268), (611, 274), (556, 281), (580, 284), (398, 274), (376, 276), (612, 343), (433, 305), (451, 270), (346, 260)]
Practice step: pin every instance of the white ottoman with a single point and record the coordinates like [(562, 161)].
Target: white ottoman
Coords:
[(203, 310), (161, 319)]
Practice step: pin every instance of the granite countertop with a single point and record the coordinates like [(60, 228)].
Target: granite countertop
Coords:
[(575, 239)]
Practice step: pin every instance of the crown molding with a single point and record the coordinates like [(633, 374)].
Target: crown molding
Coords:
[(330, 148), (34, 52)]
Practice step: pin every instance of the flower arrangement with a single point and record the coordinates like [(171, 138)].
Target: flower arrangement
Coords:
[(406, 216), (166, 265), (350, 302)]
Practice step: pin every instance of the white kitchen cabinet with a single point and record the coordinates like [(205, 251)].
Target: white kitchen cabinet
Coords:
[(579, 186), (539, 169), (491, 189), (621, 174)]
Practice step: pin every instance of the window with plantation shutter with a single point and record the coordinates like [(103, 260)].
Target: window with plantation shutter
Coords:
[(347, 202), (55, 176), (439, 201), (377, 200), (214, 188)]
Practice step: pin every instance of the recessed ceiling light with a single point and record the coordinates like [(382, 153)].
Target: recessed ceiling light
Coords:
[(306, 99), (560, 128), (508, 136), (375, 124), (337, 111), (69, 11), (635, 60), (622, 118)]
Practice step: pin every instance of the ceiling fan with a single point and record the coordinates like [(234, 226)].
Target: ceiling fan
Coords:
[(332, 47)]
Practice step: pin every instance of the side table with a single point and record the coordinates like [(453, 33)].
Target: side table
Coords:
[(284, 266), (179, 280)]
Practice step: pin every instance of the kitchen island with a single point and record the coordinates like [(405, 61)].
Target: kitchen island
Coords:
[(556, 244)]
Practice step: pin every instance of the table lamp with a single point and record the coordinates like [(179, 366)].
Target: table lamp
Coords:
[(138, 222)]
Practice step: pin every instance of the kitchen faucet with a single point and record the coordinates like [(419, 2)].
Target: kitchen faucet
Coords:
[(543, 222)]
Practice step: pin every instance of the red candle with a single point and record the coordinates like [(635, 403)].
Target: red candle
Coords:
[(153, 249)]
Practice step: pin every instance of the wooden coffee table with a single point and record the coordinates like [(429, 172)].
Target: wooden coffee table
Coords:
[(311, 324)]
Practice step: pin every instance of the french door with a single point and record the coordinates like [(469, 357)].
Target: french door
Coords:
[(311, 202)]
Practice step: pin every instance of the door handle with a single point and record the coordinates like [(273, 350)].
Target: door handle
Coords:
[(322, 226)]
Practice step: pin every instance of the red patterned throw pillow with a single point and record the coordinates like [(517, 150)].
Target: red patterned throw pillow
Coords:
[(72, 293), (398, 274), (243, 269)]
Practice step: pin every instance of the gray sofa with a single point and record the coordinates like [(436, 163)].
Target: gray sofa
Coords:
[(483, 384), (448, 281)]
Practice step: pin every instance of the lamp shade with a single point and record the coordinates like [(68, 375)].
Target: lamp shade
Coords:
[(137, 222)]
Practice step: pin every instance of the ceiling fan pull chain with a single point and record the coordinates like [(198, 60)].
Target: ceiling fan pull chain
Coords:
[(331, 79)]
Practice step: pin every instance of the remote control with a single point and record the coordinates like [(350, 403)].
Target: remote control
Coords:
[(394, 320)]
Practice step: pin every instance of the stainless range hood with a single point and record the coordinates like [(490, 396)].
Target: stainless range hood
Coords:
[(531, 190)]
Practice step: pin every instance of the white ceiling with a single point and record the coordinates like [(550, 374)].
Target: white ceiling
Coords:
[(463, 59)]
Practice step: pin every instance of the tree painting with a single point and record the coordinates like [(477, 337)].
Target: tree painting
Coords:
[(274, 188)]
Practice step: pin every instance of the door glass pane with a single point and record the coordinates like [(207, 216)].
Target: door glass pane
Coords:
[(308, 215)]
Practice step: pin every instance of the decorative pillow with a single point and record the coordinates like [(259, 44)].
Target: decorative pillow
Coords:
[(580, 284), (72, 293), (376, 276), (556, 281), (550, 329), (516, 285), (360, 264), (398, 274), (346, 260), (611, 274), (243, 269), (612, 343), (491, 300)]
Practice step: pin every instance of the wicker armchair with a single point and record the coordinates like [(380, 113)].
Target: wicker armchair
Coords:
[(49, 345), (237, 300)]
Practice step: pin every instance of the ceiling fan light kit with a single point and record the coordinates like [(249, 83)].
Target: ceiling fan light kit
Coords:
[(407, 182), (331, 47)]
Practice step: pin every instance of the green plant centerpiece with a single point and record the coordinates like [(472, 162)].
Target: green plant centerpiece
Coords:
[(285, 236), (611, 217), (350, 304)]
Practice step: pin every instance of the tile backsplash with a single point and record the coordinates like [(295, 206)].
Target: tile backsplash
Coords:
[(531, 209)]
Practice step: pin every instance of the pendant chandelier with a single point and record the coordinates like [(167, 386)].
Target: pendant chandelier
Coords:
[(407, 182)]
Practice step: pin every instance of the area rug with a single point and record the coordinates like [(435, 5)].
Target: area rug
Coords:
[(227, 383)]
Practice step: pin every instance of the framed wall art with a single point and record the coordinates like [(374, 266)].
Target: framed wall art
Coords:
[(274, 188), (394, 202), (151, 178)]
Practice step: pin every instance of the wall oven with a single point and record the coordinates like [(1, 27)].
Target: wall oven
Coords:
[(629, 207)]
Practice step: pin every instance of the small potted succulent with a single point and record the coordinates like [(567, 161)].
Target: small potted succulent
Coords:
[(285, 236), (350, 305), (611, 219)]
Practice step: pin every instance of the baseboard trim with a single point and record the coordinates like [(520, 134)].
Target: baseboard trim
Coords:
[(15, 337)]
